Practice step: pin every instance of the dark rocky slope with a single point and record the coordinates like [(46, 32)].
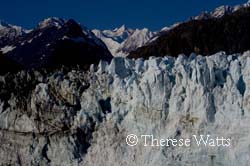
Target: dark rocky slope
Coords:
[(230, 33), (7, 65)]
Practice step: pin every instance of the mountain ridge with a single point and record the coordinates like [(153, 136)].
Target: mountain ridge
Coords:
[(56, 42), (205, 36)]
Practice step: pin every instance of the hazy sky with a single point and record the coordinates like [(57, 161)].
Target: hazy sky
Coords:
[(108, 14)]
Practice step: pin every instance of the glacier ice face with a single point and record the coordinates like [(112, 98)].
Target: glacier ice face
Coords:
[(195, 95), (84, 117)]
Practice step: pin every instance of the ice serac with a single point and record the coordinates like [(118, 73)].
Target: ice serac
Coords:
[(75, 117)]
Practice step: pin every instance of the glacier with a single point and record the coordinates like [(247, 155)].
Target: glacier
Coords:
[(83, 117)]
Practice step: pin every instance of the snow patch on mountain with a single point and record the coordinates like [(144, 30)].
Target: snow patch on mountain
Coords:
[(164, 30), (50, 22), (7, 49)]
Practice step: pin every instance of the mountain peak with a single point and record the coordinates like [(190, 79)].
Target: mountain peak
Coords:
[(51, 43), (50, 22), (221, 11), (121, 29)]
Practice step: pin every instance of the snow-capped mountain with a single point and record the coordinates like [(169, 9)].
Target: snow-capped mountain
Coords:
[(56, 42), (221, 11), (137, 39), (123, 40), (9, 33), (114, 38), (59, 22)]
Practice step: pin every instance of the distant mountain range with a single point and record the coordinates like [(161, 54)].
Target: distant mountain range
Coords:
[(121, 41), (56, 42)]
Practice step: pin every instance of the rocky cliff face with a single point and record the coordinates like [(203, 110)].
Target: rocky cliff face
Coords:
[(76, 117)]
